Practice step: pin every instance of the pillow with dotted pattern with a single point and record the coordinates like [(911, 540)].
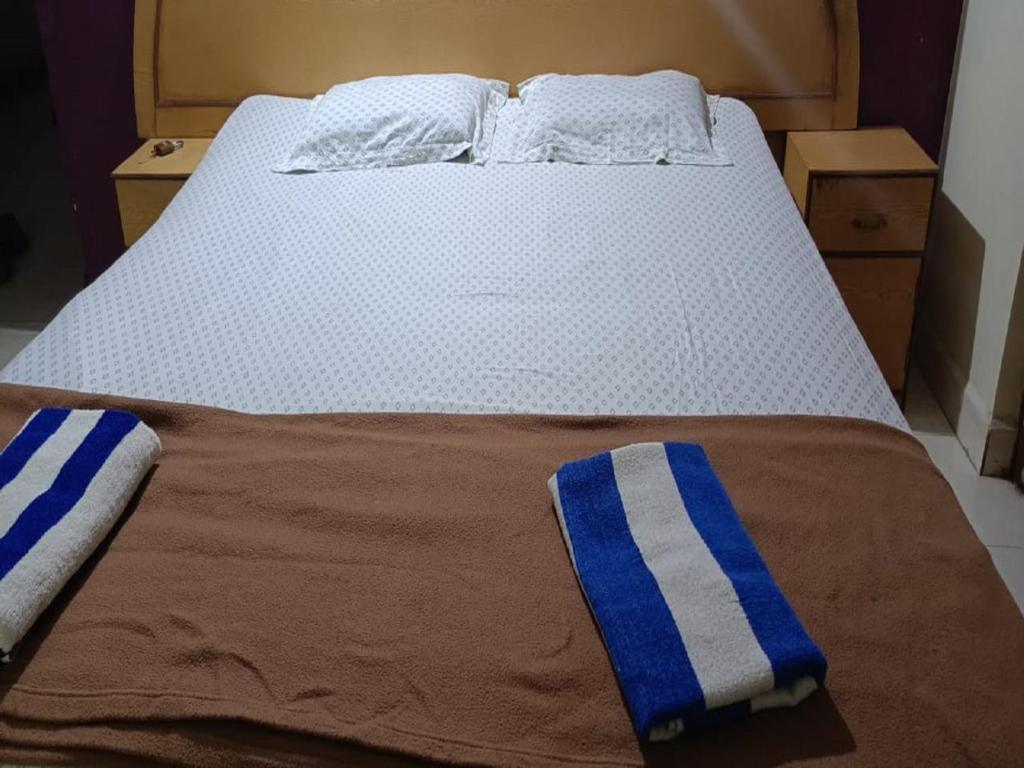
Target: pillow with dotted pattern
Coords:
[(402, 120), (660, 117)]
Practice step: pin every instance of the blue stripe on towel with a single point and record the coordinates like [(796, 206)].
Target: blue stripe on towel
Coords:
[(71, 483), (789, 649), (630, 608), (689, 612), (16, 455)]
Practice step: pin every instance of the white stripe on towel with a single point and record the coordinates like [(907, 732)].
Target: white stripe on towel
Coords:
[(42, 469), (786, 696), (726, 656)]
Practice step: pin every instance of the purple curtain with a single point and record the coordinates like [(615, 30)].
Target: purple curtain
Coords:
[(88, 46), (907, 49)]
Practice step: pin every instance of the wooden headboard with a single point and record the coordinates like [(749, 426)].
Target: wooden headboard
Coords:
[(796, 62)]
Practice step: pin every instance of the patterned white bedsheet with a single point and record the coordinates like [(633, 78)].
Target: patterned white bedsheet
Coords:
[(543, 288)]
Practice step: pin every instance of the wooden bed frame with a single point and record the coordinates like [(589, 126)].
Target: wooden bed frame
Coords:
[(796, 63)]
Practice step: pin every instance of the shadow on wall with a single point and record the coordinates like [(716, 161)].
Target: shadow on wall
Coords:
[(1011, 376), (1010, 392), (950, 286), (950, 290), (1015, 348)]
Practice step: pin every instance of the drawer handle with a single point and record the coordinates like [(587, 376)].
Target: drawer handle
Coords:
[(870, 223)]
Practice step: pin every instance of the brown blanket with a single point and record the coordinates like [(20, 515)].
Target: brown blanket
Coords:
[(320, 590)]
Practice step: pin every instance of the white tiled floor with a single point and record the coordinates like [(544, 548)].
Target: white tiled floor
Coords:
[(994, 507)]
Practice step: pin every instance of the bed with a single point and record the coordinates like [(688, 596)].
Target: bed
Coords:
[(347, 553), (556, 289), (626, 290)]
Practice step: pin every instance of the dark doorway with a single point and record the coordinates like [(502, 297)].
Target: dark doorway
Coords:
[(41, 265)]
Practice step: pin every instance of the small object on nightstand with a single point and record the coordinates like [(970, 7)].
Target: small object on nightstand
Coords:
[(166, 147), (866, 196), (148, 180)]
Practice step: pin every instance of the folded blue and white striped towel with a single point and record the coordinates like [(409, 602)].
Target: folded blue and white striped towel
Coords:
[(696, 628), (65, 478)]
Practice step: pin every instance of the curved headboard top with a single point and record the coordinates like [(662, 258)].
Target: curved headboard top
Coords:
[(795, 62)]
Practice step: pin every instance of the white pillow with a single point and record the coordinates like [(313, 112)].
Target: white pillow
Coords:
[(400, 120), (605, 119)]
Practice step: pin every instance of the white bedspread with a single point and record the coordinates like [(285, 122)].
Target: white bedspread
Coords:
[(534, 288)]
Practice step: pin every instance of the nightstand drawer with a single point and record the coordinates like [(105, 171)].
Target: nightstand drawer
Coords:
[(141, 201), (870, 213), (880, 292)]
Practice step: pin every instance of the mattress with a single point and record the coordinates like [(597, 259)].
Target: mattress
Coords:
[(547, 288)]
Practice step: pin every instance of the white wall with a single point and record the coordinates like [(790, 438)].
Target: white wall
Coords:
[(967, 309)]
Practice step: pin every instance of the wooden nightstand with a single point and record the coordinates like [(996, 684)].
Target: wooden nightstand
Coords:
[(866, 196), (146, 184)]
